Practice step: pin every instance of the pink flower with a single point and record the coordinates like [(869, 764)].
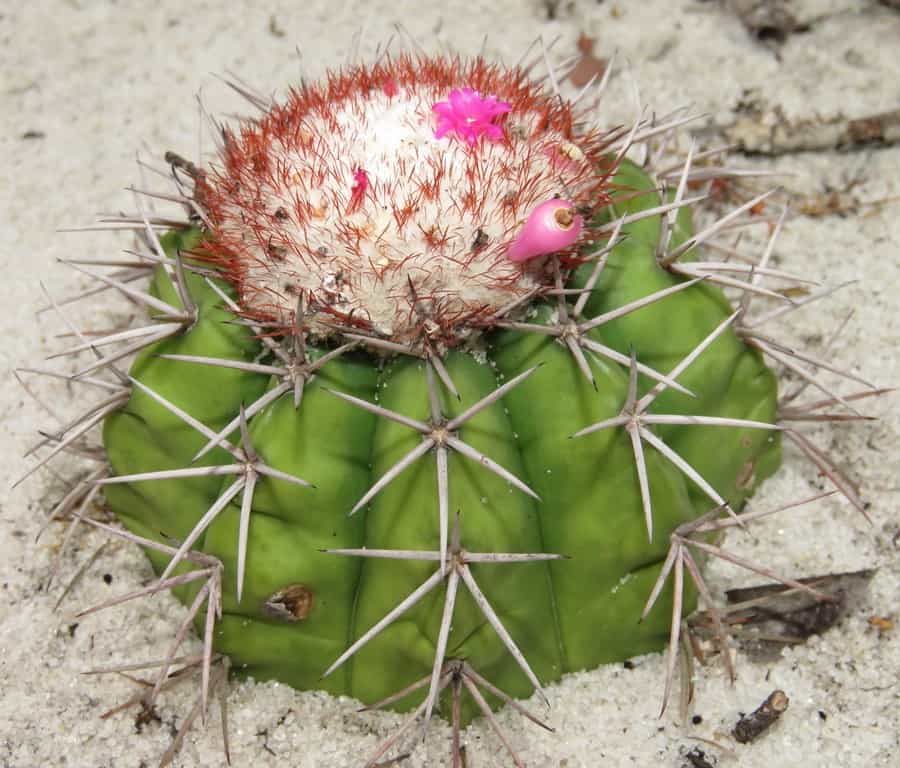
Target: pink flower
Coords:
[(470, 115)]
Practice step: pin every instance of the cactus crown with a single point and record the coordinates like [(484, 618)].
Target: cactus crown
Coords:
[(404, 199)]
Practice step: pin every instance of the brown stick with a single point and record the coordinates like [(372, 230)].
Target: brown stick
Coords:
[(751, 726)]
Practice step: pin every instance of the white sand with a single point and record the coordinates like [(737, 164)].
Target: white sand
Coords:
[(103, 79)]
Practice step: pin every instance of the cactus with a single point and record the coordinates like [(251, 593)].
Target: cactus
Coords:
[(438, 393)]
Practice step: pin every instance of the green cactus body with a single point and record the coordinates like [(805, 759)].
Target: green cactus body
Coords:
[(302, 607)]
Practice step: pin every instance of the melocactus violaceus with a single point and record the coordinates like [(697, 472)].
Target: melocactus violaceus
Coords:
[(437, 393)]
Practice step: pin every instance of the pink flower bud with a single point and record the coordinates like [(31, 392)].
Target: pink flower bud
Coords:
[(552, 226)]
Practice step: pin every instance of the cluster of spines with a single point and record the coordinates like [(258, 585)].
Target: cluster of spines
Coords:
[(295, 369)]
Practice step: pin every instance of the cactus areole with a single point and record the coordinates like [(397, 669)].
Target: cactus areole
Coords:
[(437, 396)]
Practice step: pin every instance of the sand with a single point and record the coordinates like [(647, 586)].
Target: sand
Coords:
[(85, 85)]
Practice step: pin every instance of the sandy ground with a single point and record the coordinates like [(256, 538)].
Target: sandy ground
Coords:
[(84, 85)]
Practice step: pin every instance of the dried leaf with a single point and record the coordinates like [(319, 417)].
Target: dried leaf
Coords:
[(764, 618), (590, 66)]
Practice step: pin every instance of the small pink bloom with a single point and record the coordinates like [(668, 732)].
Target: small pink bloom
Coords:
[(552, 226), (358, 190), (390, 88), (470, 115)]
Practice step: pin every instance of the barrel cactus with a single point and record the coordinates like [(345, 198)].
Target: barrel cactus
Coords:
[(437, 392)]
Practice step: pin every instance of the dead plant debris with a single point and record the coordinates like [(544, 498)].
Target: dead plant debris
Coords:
[(769, 21), (764, 129), (752, 726), (590, 67), (763, 619), (697, 758)]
